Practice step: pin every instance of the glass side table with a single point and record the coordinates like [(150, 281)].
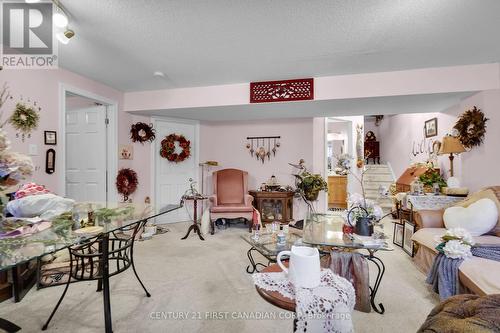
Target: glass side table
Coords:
[(326, 230), (267, 246)]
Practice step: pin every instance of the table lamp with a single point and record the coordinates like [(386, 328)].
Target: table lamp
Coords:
[(451, 145)]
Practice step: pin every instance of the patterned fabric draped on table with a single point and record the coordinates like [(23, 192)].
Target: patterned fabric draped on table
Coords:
[(353, 267)]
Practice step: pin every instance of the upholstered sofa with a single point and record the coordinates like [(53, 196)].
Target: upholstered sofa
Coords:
[(477, 275)]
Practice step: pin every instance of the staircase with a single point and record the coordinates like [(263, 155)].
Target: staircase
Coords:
[(377, 175)]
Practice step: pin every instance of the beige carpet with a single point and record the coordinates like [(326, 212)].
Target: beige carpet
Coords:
[(194, 277)]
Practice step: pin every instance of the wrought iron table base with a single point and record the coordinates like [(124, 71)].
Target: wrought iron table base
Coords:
[(380, 274), (253, 267)]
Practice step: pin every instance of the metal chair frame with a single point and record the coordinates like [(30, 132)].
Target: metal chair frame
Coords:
[(91, 260)]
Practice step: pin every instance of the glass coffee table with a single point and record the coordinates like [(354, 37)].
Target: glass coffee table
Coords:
[(267, 246), (326, 230)]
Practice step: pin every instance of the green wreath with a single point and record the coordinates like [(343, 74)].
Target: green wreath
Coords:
[(24, 118), (471, 127)]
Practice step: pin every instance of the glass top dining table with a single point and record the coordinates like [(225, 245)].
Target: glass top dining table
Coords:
[(326, 230), (61, 233)]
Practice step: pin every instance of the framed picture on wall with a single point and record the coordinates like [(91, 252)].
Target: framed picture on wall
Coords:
[(409, 230), (50, 138), (398, 235), (431, 128)]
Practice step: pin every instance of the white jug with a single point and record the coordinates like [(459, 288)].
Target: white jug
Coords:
[(304, 268)]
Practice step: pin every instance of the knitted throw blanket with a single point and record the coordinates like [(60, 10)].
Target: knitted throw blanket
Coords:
[(443, 275)]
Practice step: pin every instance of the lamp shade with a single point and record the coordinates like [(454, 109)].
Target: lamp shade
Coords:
[(451, 145)]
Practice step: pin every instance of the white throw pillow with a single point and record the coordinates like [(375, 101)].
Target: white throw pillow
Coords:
[(478, 219)]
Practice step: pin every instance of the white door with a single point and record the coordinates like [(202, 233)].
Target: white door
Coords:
[(172, 179), (86, 154)]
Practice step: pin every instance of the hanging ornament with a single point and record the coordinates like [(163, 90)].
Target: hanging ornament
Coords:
[(24, 119), (261, 152), (251, 149)]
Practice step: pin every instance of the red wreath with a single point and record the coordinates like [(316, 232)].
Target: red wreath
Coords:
[(168, 148), (126, 182)]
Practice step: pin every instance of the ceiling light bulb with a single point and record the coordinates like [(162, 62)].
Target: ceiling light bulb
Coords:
[(159, 74), (65, 37), (32, 1), (60, 19)]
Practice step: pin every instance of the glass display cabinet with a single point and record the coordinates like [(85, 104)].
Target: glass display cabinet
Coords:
[(273, 206)]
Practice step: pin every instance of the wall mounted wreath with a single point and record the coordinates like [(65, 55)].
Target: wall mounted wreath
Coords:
[(471, 127), (168, 148), (24, 119), (142, 132), (126, 182)]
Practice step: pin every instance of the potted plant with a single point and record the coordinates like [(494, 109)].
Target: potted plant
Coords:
[(310, 185), (431, 177)]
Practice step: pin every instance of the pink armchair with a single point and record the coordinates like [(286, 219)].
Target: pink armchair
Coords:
[(230, 199)]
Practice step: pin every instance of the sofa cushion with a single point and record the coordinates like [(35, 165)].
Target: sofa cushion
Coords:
[(488, 193), (230, 208), (478, 218), (481, 275)]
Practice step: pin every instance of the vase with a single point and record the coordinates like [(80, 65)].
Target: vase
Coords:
[(364, 226)]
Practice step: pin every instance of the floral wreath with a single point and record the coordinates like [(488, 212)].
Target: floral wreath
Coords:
[(142, 132), (24, 118), (471, 127), (168, 148), (126, 182)]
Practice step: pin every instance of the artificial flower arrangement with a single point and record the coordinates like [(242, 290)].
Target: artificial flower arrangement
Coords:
[(374, 211), (14, 166), (456, 243), (359, 207), (343, 164)]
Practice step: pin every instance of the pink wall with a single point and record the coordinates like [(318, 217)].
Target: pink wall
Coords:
[(475, 169), (43, 87), (405, 82), (480, 166), (399, 132), (225, 143)]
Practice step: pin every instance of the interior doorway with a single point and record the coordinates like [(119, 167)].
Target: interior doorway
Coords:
[(88, 148), (171, 180), (86, 137)]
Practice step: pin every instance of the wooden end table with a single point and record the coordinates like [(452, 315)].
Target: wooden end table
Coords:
[(274, 297), (195, 226)]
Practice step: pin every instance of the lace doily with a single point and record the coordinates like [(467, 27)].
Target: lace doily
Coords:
[(326, 308)]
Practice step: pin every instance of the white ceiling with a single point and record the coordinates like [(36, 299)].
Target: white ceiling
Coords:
[(328, 108), (198, 43)]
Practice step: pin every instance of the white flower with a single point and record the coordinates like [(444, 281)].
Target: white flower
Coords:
[(377, 212), (4, 142), (461, 234), (455, 249), (17, 166)]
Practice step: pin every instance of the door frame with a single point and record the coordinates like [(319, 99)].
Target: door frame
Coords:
[(155, 155), (349, 150), (112, 138)]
